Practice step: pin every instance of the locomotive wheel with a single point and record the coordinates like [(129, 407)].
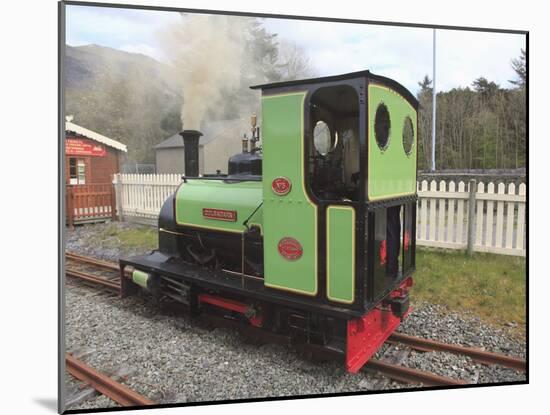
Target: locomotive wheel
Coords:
[(204, 323), (250, 338), (304, 352), (312, 353)]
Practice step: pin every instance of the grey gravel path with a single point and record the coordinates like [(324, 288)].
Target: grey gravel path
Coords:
[(173, 359)]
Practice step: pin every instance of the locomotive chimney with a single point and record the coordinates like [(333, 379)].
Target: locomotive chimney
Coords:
[(191, 150)]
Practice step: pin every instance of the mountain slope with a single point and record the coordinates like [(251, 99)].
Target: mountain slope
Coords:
[(127, 96)]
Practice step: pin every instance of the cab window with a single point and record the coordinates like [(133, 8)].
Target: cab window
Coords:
[(333, 156)]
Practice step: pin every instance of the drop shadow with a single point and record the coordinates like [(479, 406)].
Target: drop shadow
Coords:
[(48, 403)]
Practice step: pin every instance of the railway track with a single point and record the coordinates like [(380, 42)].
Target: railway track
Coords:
[(109, 277), (93, 270), (104, 384), (478, 355), (390, 370)]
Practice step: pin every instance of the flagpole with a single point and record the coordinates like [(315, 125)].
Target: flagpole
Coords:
[(433, 106)]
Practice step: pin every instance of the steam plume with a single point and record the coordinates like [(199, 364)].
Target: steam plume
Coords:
[(207, 51)]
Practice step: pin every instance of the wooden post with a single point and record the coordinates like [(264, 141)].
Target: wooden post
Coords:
[(118, 196), (113, 201), (471, 216), (70, 205), (460, 215)]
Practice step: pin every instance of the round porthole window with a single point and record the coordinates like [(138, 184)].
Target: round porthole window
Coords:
[(322, 138), (382, 126), (408, 136)]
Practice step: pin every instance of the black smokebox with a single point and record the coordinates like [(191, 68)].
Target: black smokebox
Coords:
[(191, 150)]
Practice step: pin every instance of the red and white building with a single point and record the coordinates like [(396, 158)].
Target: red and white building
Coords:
[(91, 160)]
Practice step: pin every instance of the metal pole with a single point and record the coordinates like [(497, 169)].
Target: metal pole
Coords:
[(471, 216), (433, 105)]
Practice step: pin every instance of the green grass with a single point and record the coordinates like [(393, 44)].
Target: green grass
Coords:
[(491, 286), (113, 236)]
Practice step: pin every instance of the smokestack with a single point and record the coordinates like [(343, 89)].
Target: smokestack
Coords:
[(191, 150)]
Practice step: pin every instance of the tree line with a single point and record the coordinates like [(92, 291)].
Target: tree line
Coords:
[(482, 127)]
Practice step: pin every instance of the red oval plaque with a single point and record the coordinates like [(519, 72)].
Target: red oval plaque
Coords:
[(281, 186), (290, 249), (406, 240)]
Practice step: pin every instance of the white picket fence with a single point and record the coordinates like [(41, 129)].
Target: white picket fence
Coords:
[(499, 221), (442, 215), (139, 197)]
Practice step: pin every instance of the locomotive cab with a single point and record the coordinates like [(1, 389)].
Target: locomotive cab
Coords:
[(347, 146)]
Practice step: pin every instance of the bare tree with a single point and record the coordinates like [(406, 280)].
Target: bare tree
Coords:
[(424, 122), (295, 63)]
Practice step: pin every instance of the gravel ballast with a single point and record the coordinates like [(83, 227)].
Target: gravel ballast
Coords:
[(170, 358)]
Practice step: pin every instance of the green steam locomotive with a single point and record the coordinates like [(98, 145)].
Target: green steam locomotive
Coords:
[(310, 234)]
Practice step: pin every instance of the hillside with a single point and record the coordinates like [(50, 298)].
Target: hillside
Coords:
[(127, 96)]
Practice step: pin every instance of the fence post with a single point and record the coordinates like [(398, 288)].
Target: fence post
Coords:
[(118, 196), (471, 216), (113, 201)]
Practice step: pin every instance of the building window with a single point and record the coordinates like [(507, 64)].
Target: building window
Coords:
[(77, 171)]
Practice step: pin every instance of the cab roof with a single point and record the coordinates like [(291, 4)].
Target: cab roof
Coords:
[(347, 76)]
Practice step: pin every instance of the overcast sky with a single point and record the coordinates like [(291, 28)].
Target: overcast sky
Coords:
[(401, 53)]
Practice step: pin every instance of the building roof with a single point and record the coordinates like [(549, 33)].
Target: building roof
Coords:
[(69, 126), (211, 131), (176, 141)]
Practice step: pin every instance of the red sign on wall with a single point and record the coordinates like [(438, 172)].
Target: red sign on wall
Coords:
[(77, 147), (220, 214)]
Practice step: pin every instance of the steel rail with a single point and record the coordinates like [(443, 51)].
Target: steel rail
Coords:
[(109, 387), (410, 375), (396, 372), (114, 285), (475, 354), (112, 266)]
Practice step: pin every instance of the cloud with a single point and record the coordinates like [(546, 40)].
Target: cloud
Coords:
[(115, 27), (333, 48), (402, 53), (145, 49), (464, 56)]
